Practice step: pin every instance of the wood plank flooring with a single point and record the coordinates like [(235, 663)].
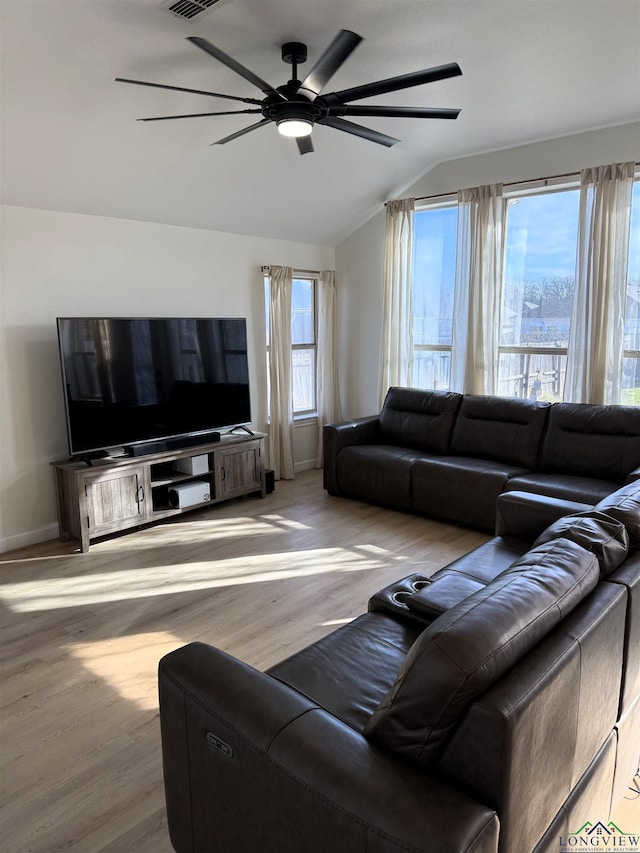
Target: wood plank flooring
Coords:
[(82, 635)]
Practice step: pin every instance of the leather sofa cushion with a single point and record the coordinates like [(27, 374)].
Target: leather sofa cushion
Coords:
[(504, 429), (469, 647), (458, 488), (422, 420), (596, 532), (488, 560), (377, 472), (588, 490), (350, 670), (592, 441), (624, 504)]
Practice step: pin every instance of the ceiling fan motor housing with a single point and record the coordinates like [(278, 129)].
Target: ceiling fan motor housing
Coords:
[(294, 53)]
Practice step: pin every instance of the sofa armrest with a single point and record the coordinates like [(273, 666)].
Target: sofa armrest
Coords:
[(526, 514), (634, 475), (251, 764), (339, 435)]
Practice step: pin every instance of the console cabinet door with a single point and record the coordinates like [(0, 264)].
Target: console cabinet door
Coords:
[(116, 500), (239, 470)]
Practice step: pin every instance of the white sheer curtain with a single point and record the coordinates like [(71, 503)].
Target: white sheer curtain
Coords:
[(476, 310), (280, 399), (397, 328), (327, 396), (596, 340)]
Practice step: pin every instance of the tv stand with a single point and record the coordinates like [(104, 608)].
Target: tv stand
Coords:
[(109, 495)]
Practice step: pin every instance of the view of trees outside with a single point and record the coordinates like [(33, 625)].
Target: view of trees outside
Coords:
[(537, 296)]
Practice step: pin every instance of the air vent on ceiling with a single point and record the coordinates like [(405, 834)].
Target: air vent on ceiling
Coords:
[(189, 8)]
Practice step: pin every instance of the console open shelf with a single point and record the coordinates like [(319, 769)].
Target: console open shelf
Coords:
[(114, 495)]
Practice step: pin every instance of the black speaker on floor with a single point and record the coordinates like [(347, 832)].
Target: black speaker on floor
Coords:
[(269, 480)]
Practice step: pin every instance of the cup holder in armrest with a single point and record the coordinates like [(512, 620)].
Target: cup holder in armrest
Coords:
[(394, 598), (442, 594)]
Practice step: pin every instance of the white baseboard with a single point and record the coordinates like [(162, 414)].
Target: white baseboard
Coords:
[(32, 537), (305, 465)]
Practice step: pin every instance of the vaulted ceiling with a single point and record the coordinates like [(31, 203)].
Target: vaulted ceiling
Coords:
[(532, 70)]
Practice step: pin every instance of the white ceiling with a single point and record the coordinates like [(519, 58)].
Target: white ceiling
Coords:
[(532, 69)]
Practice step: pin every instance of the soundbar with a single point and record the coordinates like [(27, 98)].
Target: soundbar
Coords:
[(172, 444)]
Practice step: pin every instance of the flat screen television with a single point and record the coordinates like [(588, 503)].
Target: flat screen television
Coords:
[(131, 381)]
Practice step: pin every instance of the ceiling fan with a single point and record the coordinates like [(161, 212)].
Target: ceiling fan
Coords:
[(298, 105)]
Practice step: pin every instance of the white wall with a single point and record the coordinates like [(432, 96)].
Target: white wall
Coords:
[(60, 264), (359, 259)]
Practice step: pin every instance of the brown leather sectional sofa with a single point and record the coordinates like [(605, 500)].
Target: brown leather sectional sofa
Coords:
[(492, 707), (450, 455)]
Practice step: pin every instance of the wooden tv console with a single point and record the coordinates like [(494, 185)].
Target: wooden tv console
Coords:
[(119, 493)]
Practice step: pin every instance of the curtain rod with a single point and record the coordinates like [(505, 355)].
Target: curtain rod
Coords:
[(267, 267), (508, 184)]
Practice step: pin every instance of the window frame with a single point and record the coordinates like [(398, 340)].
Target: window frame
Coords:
[(299, 415), (446, 202), (302, 414)]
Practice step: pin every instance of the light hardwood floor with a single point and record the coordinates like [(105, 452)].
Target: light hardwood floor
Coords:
[(82, 635)]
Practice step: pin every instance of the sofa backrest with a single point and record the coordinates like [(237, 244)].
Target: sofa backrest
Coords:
[(500, 428), (592, 441), (525, 744), (464, 651), (421, 420)]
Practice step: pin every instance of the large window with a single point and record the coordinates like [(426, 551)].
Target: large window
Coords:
[(434, 270), (303, 345), (540, 245), (537, 294), (303, 342), (630, 392)]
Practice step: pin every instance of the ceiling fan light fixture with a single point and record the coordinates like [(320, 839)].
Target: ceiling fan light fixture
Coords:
[(294, 127)]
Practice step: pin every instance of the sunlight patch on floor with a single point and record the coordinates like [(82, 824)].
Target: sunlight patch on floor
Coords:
[(145, 582), (208, 530), (128, 664)]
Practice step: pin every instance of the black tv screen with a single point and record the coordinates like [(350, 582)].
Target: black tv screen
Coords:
[(133, 380)]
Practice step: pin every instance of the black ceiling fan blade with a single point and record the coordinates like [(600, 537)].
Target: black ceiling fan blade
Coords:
[(392, 84), (242, 132), (192, 91), (359, 130), (200, 115), (231, 63), (333, 57), (305, 145), (393, 112)]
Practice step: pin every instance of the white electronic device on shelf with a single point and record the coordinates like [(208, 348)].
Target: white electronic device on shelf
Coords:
[(189, 494)]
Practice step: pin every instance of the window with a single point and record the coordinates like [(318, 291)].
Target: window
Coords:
[(434, 269), (303, 345), (630, 391), (537, 291), (303, 342), (537, 294)]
